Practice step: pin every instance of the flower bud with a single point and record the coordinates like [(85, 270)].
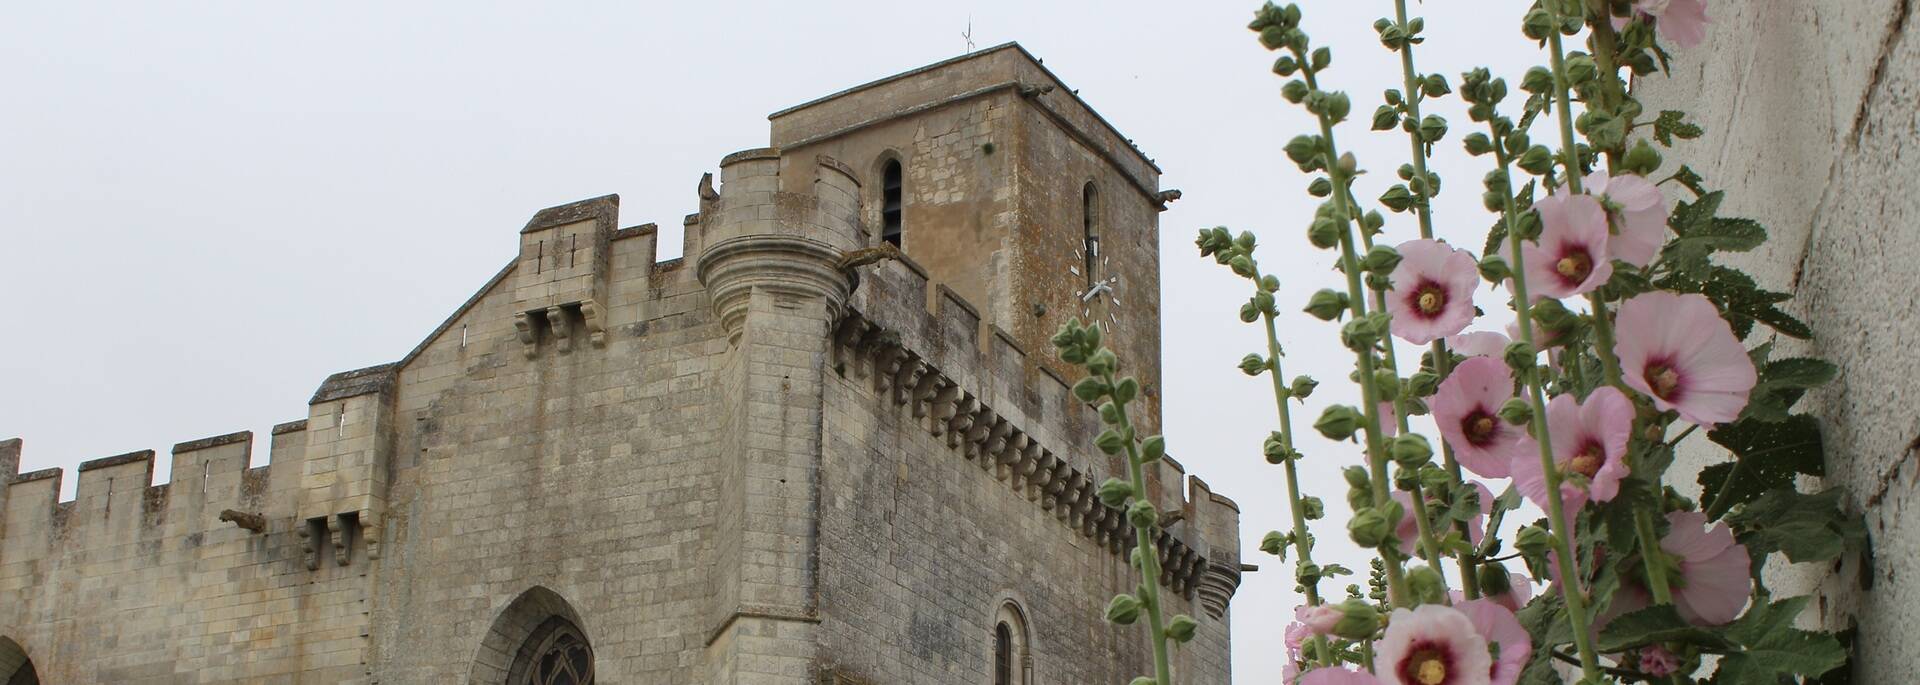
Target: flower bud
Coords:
[(1477, 144), (1494, 269), (1115, 492), (1275, 543), (1249, 313), (1432, 128), (1128, 389), (1253, 364), (1381, 259), (1369, 528), (1263, 301), (1327, 304), (1356, 477), (1324, 233), (1537, 160), (1110, 442), (1358, 620), (1642, 159), (1181, 628), (1427, 585), (1102, 362), (1516, 411), (1320, 187), (1580, 68), (1294, 91), (1285, 65), (1312, 508), (1435, 86), (1338, 422), (1397, 198), (1385, 117), (1423, 384), (1090, 388), (1241, 265), (1411, 451), (1142, 514), (1302, 147), (1123, 610), (1533, 541), (1110, 413), (1152, 449), (1494, 580), (1302, 387)]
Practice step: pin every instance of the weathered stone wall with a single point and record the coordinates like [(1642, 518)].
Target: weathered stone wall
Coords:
[(1810, 116)]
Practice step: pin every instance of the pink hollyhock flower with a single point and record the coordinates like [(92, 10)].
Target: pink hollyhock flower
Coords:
[(1676, 349), (1467, 406), (1432, 295), (1638, 213), (1497, 625), (1319, 620), (1479, 344), (1570, 258), (1682, 21), (1712, 584), (1589, 439), (1657, 661), (1408, 530), (1432, 645), (1296, 635), (1338, 676)]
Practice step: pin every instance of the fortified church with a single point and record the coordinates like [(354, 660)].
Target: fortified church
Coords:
[(829, 445)]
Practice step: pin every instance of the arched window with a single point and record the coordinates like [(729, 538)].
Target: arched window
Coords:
[(890, 203), (1012, 661), (541, 636), (1090, 226), (15, 667), (555, 654)]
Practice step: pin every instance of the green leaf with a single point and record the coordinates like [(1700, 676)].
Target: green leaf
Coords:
[(1768, 454), (1803, 527), (1656, 624), (1782, 382), (1741, 302), (1773, 647), (1690, 179), (1670, 125)]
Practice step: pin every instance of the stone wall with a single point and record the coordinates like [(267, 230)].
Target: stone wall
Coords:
[(1810, 116)]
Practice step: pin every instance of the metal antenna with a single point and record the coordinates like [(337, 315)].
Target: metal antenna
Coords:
[(968, 34)]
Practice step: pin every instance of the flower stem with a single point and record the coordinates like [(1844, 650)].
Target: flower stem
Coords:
[(1303, 549), (1149, 556), (1557, 522), (1423, 210), (1356, 297)]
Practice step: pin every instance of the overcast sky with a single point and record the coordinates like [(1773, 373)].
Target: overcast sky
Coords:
[(205, 209)]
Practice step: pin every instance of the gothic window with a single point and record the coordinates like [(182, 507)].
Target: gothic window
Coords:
[(15, 667), (556, 654), (1012, 662), (1090, 227), (890, 203)]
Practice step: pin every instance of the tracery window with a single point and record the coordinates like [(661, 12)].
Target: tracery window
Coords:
[(561, 656)]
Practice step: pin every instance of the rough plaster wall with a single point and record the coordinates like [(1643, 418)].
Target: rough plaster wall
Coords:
[(1810, 111), (590, 473)]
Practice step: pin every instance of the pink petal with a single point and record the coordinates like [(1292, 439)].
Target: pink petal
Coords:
[(1632, 192), (1684, 22), (1478, 384), (1607, 416), (1424, 262), (1687, 536), (1408, 529), (1569, 223), (1716, 588), (1563, 422), (1497, 624), (1337, 676), (1479, 344)]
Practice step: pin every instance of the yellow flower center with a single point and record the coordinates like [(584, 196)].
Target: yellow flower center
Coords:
[(1479, 428), (1587, 461), (1431, 300), (1664, 380), (1575, 267), (1429, 669)]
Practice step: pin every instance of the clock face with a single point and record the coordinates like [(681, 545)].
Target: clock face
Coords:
[(1096, 289)]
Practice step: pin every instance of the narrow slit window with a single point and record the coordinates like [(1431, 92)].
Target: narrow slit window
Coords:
[(1002, 654), (890, 201)]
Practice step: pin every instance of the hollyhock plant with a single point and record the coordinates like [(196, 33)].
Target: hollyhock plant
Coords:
[(1408, 532), (1676, 349), (1711, 584), (1432, 295), (1318, 620), (1467, 406), (1432, 644), (1637, 212), (1657, 661), (1590, 440), (1519, 591), (1479, 344), (1498, 626), (1682, 21), (1570, 258)]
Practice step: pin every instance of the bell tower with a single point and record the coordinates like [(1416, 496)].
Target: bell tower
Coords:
[(999, 182)]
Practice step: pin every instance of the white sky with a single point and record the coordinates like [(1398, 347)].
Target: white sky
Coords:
[(205, 209)]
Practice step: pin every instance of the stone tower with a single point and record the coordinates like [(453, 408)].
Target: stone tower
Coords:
[(776, 460)]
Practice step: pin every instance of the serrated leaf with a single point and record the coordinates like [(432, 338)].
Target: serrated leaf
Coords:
[(1782, 383), (1741, 302), (1656, 624), (1772, 647), (1691, 180), (1803, 527), (1495, 235), (1672, 124), (1768, 455)]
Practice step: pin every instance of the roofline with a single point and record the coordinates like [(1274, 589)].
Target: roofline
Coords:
[(971, 55)]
